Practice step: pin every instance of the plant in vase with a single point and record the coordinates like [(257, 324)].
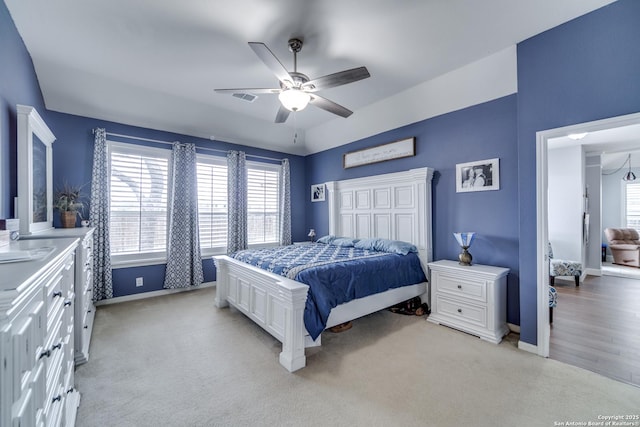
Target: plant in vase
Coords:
[(68, 201)]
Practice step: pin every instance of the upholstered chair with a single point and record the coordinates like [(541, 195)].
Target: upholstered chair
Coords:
[(553, 301), (563, 268), (624, 244)]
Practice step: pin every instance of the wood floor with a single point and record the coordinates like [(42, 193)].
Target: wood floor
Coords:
[(596, 326)]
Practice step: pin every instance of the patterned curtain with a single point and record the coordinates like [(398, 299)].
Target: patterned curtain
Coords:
[(237, 201), (99, 218), (284, 193), (184, 265)]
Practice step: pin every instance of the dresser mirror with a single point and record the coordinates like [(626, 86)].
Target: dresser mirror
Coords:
[(35, 169)]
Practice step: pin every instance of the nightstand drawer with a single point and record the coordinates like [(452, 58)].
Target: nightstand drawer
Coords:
[(475, 315), (465, 288)]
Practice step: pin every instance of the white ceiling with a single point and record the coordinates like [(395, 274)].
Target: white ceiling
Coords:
[(612, 144), (154, 64)]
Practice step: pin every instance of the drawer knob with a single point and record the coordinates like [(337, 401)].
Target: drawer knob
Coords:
[(58, 398), (57, 294), (57, 346), (459, 286), (46, 353), (67, 303), (86, 326), (459, 310), (70, 390)]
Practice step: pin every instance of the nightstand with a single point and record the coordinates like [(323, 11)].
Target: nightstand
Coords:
[(471, 298)]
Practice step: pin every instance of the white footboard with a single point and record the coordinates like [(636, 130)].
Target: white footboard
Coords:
[(273, 302)]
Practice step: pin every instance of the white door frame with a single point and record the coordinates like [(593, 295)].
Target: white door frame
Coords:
[(542, 187)]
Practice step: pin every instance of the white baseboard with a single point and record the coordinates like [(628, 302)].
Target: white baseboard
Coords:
[(528, 347), (151, 294), (594, 272)]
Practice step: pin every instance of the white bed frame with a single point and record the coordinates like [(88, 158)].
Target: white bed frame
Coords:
[(393, 206)]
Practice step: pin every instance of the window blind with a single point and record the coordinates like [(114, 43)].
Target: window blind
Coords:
[(139, 178), (633, 205), (262, 204), (212, 202)]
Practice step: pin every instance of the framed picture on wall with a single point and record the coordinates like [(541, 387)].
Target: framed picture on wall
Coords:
[(481, 175), (317, 193)]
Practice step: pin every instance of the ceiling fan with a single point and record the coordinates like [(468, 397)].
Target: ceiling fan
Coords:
[(296, 89)]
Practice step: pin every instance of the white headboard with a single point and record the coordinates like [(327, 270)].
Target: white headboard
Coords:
[(392, 206)]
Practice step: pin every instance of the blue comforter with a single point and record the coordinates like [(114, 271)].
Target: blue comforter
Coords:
[(335, 274)]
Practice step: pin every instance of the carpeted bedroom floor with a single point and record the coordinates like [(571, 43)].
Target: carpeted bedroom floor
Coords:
[(177, 360)]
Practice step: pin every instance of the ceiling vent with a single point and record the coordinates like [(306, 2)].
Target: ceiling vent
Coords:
[(245, 96)]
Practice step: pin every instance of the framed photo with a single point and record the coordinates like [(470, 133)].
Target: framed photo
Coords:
[(482, 175), (317, 193), (380, 153)]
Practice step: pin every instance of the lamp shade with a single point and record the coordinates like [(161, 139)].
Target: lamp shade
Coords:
[(294, 99), (464, 238)]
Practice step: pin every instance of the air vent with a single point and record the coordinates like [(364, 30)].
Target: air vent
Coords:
[(245, 96)]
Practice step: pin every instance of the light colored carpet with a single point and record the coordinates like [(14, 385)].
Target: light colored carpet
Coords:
[(179, 361)]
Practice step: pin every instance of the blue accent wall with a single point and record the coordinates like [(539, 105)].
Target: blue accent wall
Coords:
[(587, 69), (484, 131)]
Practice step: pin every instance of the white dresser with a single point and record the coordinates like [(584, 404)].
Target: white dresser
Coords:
[(37, 336), (472, 298), (85, 311)]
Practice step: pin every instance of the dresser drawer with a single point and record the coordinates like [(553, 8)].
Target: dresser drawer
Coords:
[(459, 287), (472, 314)]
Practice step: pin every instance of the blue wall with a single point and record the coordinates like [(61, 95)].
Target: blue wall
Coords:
[(480, 132), (587, 69)]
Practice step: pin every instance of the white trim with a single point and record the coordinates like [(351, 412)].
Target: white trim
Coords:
[(513, 328), (151, 294), (542, 139), (542, 265), (527, 347), (593, 272)]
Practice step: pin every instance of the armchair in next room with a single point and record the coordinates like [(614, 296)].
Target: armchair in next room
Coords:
[(624, 244)]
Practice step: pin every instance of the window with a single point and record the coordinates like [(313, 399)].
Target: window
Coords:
[(212, 202), (139, 203), (138, 212), (262, 203), (633, 205)]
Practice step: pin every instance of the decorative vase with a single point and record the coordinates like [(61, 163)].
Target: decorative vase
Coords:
[(68, 219)]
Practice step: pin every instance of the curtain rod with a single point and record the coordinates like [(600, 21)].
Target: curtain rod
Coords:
[(171, 143)]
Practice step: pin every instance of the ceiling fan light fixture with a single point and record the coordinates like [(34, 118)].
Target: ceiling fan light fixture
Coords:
[(294, 99)]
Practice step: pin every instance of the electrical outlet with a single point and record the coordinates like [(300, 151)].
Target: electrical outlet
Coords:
[(138, 282)]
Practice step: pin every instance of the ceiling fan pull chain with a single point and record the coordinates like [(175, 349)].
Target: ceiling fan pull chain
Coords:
[(295, 128)]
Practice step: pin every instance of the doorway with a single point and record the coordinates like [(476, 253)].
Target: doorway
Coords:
[(542, 180)]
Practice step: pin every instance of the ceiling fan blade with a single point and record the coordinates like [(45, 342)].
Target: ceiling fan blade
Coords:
[(330, 106), (336, 79), (282, 115), (249, 90), (271, 62)]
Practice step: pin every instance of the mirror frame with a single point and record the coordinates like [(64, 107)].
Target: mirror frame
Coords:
[(29, 124)]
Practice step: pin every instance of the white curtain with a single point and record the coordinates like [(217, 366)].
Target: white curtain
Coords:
[(284, 194), (184, 265), (237, 235), (99, 218)]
